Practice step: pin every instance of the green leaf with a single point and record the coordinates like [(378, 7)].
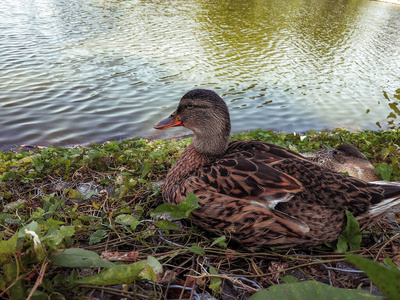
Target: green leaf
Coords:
[(79, 258), (196, 250), (385, 171), (47, 285), (134, 224), (12, 221), (145, 170), (38, 164), (3, 283), (38, 295), (153, 267), (33, 226), (148, 274), (54, 223), (53, 241), (73, 194), (54, 236), (97, 236), (60, 279), (390, 265), (17, 291), (310, 290), (341, 245), (125, 219), (67, 231), (220, 241), (351, 236), (386, 279), (73, 276), (120, 274), (192, 200), (215, 281), (86, 196), (289, 279), (8, 248), (175, 211), (126, 174), (155, 264), (179, 211), (166, 225)]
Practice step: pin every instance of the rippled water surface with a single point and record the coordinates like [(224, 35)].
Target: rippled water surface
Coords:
[(74, 71)]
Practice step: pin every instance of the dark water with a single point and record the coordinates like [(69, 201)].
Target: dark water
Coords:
[(74, 71)]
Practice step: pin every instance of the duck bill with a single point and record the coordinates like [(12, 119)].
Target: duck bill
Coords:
[(171, 121)]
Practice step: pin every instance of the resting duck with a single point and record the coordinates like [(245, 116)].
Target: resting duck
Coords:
[(345, 158), (259, 194)]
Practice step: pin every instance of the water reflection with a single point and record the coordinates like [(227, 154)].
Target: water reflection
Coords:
[(80, 71), (309, 49)]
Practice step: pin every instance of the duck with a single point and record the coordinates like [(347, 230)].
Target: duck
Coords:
[(345, 158), (258, 194)]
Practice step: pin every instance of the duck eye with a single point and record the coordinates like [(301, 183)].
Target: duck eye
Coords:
[(190, 105)]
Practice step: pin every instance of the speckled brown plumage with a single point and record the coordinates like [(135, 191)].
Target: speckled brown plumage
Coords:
[(260, 194), (345, 158)]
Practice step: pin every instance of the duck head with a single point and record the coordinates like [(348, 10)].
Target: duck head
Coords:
[(348, 152), (207, 115)]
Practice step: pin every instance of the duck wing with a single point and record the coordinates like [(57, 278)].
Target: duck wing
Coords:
[(238, 193), (249, 178), (261, 151), (243, 219), (245, 172)]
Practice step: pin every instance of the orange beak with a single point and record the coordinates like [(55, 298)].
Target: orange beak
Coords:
[(171, 121)]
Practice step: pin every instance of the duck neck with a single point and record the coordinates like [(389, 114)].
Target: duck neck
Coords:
[(211, 144), (189, 161)]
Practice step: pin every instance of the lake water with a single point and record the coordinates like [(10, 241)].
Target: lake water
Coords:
[(79, 71)]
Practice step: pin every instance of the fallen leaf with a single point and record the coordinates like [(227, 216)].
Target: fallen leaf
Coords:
[(118, 256)]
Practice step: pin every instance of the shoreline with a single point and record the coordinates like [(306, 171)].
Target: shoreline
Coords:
[(388, 1), (32, 147)]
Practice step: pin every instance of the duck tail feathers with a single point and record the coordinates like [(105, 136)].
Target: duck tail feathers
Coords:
[(391, 189), (384, 206), (392, 197)]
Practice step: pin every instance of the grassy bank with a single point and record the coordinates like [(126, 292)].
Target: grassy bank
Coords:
[(100, 198)]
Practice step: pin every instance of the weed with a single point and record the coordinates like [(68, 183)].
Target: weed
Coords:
[(82, 221)]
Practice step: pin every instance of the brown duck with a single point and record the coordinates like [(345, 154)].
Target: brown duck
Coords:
[(259, 194), (345, 158)]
